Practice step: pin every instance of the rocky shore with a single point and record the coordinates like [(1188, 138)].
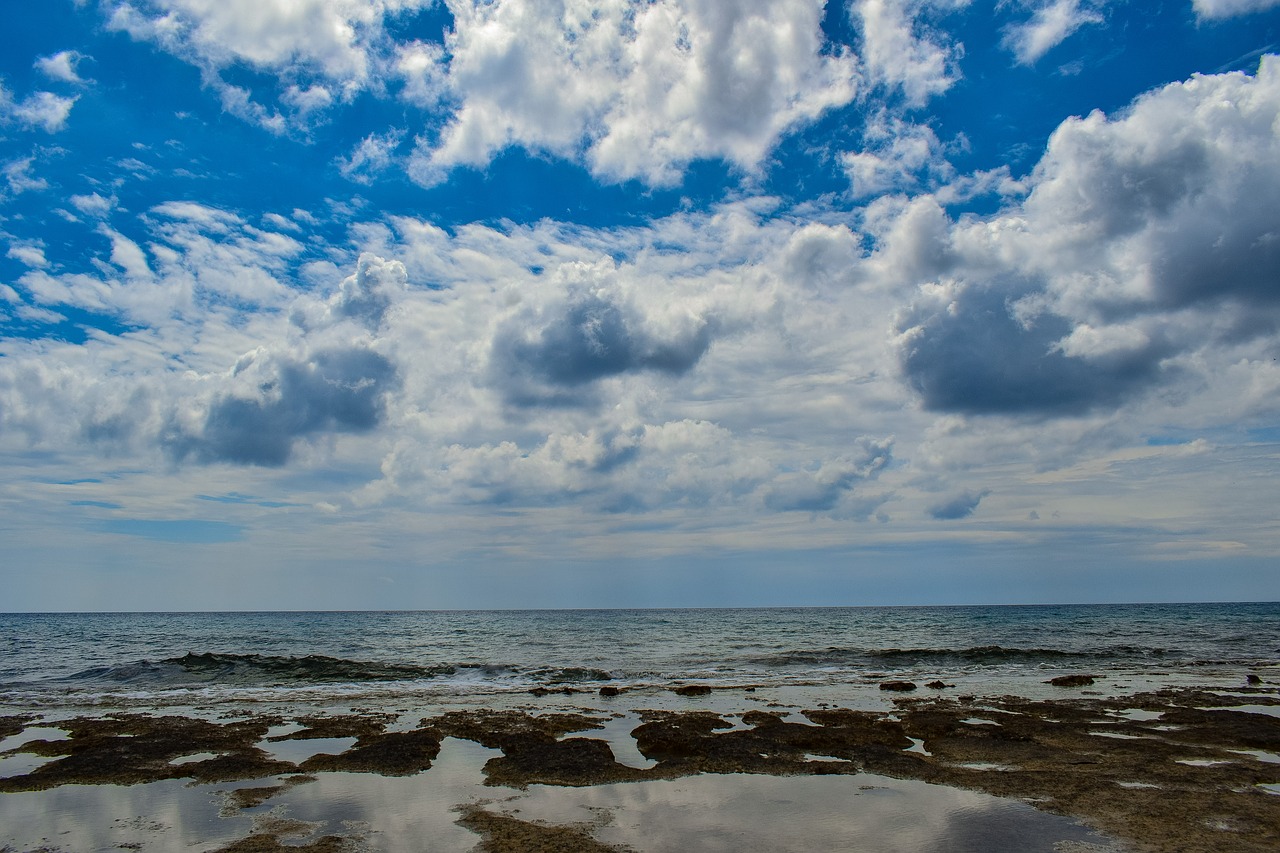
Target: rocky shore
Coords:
[(1172, 770)]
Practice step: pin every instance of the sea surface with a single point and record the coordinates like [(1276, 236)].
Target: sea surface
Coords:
[(60, 659)]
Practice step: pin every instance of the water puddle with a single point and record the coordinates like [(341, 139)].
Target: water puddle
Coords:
[(1268, 710), (749, 813), (298, 751), (917, 746), (1137, 715)]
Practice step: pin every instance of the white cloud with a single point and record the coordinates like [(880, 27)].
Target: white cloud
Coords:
[(1048, 27), (900, 53), (332, 38), (319, 51), (62, 66), (371, 157), (17, 174), (93, 204), (43, 110), (1144, 258), (28, 253), (1219, 9), (639, 92), (422, 67), (897, 156)]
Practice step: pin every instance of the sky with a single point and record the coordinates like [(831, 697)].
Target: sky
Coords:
[(426, 304)]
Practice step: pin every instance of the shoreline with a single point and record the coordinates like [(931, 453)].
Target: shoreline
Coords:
[(1181, 768)]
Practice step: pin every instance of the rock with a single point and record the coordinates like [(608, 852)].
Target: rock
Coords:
[(691, 690), (898, 686), (1252, 679), (938, 685), (608, 690), (1071, 680)]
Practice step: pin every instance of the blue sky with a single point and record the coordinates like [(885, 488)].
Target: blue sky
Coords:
[(415, 304)]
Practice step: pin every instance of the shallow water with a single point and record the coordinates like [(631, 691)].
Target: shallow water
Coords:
[(737, 812), (410, 814)]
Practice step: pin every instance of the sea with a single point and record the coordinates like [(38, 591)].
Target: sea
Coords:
[(494, 657)]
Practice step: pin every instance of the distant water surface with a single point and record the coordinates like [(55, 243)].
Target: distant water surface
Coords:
[(67, 658)]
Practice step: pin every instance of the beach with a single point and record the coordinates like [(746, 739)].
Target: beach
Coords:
[(1060, 754)]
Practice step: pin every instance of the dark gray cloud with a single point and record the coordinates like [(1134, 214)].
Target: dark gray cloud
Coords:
[(339, 390), (547, 358), (957, 506), (1146, 236), (973, 356)]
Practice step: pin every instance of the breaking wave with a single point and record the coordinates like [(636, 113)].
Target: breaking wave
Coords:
[(254, 669)]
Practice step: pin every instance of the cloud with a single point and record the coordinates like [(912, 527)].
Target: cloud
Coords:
[(546, 354), (365, 296), (330, 38), (638, 91), (371, 157), (43, 110), (1049, 26), (28, 253), (821, 489), (319, 51), (1220, 9), (282, 399), (61, 66), (18, 177), (93, 204), (958, 506), (900, 53), (1145, 237), (896, 156)]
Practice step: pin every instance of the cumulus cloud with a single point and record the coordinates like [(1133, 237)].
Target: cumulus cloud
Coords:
[(365, 296), (546, 354), (1048, 27), (961, 505), (639, 90), (319, 51), (280, 399), (901, 53), (332, 38), (896, 155), (1146, 237)]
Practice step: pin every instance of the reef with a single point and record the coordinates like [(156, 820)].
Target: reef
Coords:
[(1183, 770)]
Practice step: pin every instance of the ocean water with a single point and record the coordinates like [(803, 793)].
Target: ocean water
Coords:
[(483, 656)]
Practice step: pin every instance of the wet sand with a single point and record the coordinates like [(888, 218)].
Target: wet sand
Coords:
[(1168, 770)]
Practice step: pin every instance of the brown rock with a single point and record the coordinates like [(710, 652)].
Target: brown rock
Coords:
[(898, 686), (691, 690), (1072, 681)]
